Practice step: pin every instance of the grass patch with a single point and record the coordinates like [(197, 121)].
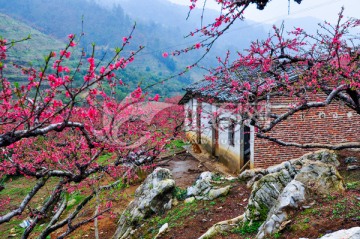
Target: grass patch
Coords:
[(176, 216), (247, 228), (17, 186), (217, 178), (104, 159), (353, 185), (74, 199), (175, 144)]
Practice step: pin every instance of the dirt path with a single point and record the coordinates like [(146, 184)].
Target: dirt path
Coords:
[(185, 169)]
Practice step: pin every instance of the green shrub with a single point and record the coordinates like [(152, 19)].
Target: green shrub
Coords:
[(180, 194)]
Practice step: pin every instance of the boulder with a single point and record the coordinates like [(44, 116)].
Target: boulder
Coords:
[(292, 166), (152, 197), (349, 160), (352, 167), (201, 186), (204, 190), (320, 177), (352, 233), (324, 156), (215, 193), (251, 173), (284, 187), (265, 193), (293, 195)]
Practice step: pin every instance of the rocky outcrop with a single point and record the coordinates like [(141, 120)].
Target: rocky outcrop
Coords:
[(323, 156), (293, 195), (279, 189), (202, 185), (203, 189), (152, 197), (284, 187), (265, 193), (317, 170), (320, 177), (294, 165), (352, 233)]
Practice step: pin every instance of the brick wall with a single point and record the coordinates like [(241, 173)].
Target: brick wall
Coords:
[(331, 125)]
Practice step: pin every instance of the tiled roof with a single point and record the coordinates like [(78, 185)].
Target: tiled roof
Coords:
[(223, 91)]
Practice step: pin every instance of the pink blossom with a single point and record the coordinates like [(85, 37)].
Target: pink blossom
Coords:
[(137, 93), (102, 70), (92, 113), (87, 78), (165, 54), (68, 54), (156, 98), (72, 44)]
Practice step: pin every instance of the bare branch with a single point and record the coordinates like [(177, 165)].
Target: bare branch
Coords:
[(12, 137), (51, 201), (76, 226), (55, 218), (25, 202)]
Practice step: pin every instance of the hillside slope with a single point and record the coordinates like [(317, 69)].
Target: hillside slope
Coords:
[(27, 53), (146, 69)]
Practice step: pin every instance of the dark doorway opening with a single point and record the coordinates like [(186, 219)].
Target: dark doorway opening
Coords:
[(246, 144), (215, 137)]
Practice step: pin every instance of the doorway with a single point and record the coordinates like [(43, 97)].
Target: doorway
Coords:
[(246, 137)]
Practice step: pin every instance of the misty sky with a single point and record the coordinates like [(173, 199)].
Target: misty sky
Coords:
[(278, 9)]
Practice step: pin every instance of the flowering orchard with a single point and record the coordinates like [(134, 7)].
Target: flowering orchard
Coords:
[(54, 126), (307, 71)]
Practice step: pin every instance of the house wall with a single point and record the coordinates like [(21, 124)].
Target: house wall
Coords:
[(333, 124), (206, 126), (188, 115), (229, 155)]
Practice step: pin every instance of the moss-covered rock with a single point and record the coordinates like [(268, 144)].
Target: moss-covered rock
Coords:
[(320, 177), (273, 196), (293, 195), (265, 193), (152, 197)]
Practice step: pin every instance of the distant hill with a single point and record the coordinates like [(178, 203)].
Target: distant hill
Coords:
[(106, 27), (30, 52), (173, 16), (161, 27)]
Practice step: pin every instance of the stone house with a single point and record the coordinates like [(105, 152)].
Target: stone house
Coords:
[(210, 124)]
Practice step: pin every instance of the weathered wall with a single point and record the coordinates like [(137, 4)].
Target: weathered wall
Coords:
[(331, 125), (227, 154)]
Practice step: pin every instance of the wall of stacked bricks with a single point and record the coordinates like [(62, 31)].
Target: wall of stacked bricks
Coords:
[(333, 124)]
